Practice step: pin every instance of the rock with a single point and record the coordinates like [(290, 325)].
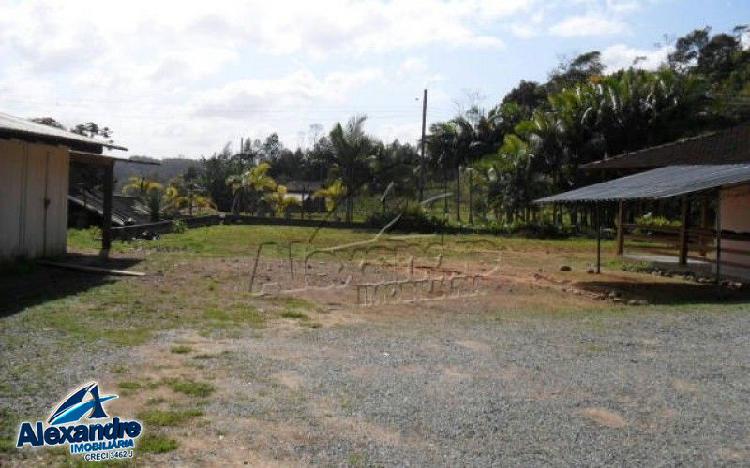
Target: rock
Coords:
[(614, 294), (566, 268)]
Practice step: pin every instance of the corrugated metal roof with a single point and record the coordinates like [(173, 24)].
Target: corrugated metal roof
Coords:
[(17, 125), (730, 146), (664, 182)]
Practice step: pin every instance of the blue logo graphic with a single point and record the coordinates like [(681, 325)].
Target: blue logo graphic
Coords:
[(74, 407), (112, 439)]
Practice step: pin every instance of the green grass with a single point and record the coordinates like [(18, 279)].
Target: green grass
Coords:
[(231, 317), (168, 418), (154, 443), (243, 240), (293, 314), (7, 431), (127, 387), (191, 387), (181, 349)]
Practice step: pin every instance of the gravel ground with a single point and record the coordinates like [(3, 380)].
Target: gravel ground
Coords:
[(632, 387)]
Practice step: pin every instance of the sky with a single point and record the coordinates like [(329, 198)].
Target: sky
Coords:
[(184, 78)]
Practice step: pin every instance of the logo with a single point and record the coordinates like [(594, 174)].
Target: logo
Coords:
[(106, 439)]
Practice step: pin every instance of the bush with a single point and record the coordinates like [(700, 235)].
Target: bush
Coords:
[(412, 219), (179, 226), (541, 230), (656, 221)]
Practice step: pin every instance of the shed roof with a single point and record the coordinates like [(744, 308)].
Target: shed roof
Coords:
[(730, 146), (17, 127), (664, 182)]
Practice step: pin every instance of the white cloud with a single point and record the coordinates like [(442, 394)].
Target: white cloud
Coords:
[(248, 98), (588, 25), (184, 77), (620, 56)]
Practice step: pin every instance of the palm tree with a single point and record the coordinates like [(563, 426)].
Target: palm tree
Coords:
[(176, 197), (350, 149), (252, 184), (281, 201), (333, 194)]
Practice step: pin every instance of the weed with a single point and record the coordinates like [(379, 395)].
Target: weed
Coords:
[(154, 443), (168, 418), (191, 387), (181, 349), (293, 314)]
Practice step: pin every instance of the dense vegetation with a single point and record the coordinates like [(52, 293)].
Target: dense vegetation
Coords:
[(494, 163)]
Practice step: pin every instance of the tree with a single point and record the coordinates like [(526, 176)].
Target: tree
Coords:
[(250, 187), (92, 130), (333, 194), (350, 147), (184, 192), (281, 201), (48, 121)]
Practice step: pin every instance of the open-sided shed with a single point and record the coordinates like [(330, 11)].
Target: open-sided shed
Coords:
[(729, 184)]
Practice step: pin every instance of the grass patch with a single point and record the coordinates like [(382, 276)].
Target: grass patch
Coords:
[(191, 387), (168, 418), (293, 314), (232, 317), (181, 349), (127, 387), (7, 431), (154, 443)]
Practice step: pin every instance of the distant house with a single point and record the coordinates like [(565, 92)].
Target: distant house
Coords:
[(304, 190), (34, 169)]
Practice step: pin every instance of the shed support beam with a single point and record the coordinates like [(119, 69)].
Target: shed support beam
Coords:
[(108, 187), (621, 229), (598, 225), (684, 230), (704, 225), (718, 237)]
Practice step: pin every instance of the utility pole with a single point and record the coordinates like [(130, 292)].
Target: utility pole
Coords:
[(421, 159)]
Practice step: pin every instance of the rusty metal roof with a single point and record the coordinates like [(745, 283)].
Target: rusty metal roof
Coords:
[(665, 182), (730, 146), (17, 127)]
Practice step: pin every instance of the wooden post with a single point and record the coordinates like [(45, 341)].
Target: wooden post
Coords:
[(703, 225), (718, 238), (107, 209), (621, 229), (684, 230), (598, 238)]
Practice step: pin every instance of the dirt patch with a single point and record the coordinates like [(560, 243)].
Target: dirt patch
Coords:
[(476, 346), (604, 417), (289, 379)]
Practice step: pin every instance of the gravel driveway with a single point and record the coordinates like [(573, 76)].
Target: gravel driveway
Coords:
[(443, 387)]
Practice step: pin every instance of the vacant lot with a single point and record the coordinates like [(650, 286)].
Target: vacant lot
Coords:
[(540, 370)]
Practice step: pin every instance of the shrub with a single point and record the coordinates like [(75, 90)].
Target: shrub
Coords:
[(179, 226), (656, 221), (542, 230), (412, 219), (153, 443)]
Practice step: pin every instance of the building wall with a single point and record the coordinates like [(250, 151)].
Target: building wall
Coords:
[(735, 216), (33, 199)]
